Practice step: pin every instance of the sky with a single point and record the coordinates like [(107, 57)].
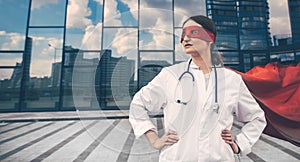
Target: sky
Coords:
[(84, 28)]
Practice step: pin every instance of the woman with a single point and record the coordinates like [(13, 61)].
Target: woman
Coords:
[(199, 99)]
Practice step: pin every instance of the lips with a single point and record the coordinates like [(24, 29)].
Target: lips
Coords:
[(188, 45)]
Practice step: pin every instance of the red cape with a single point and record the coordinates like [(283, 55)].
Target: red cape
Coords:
[(276, 88)]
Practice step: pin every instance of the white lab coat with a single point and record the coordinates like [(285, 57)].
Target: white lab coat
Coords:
[(197, 124)]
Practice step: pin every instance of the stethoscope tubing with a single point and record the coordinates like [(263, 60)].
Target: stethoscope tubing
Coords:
[(193, 79)]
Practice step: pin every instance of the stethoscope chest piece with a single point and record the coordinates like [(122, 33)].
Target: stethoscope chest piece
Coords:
[(215, 107)]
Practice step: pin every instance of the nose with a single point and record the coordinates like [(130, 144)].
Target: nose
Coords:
[(186, 38)]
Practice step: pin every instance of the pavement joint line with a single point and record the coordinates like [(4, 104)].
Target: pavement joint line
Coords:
[(3, 124), (24, 125), (20, 148), (278, 146), (124, 155), (71, 118), (282, 148), (255, 158), (25, 133), (61, 144), (96, 142)]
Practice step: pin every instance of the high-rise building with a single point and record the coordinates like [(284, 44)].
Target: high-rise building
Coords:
[(294, 10), (55, 74), (149, 69), (113, 79), (242, 31), (15, 79)]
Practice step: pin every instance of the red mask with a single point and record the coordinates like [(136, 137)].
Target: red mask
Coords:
[(197, 32)]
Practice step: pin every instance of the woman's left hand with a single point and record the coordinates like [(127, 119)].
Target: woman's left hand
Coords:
[(227, 137)]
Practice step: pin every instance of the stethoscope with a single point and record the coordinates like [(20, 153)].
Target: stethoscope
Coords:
[(215, 105)]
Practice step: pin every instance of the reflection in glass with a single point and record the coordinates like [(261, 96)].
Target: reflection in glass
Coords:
[(185, 9), (13, 24), (10, 59), (79, 77), (84, 29), (156, 33), (9, 88), (46, 49), (180, 55), (42, 84), (74, 37), (122, 41), (120, 13), (151, 64), (40, 13), (115, 77)]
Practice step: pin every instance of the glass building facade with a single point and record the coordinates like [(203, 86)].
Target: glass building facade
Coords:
[(294, 10), (96, 54), (242, 31)]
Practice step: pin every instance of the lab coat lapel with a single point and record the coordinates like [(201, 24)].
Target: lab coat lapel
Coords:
[(205, 94), (183, 116), (210, 116)]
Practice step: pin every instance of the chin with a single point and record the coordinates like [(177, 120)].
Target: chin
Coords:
[(191, 52)]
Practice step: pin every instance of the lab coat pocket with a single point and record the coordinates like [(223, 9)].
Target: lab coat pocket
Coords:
[(179, 118), (221, 151)]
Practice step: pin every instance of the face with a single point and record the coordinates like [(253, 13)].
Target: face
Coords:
[(195, 39)]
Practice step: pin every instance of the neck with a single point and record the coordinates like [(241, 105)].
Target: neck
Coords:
[(203, 61)]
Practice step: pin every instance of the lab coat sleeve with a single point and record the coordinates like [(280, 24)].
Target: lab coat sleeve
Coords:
[(249, 112), (151, 98)]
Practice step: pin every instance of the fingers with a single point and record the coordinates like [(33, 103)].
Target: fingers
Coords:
[(171, 137), (227, 137)]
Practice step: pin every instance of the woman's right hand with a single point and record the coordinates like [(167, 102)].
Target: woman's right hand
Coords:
[(169, 138)]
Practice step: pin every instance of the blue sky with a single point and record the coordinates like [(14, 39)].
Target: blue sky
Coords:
[(84, 27)]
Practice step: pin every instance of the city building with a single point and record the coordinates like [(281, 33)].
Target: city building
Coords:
[(242, 31), (294, 10), (149, 69), (113, 81), (97, 59)]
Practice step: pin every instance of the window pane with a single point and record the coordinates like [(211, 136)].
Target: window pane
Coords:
[(231, 59), (40, 12), (10, 59), (9, 88), (156, 33), (79, 73), (13, 16), (42, 90), (84, 30), (180, 55), (116, 68), (122, 41), (120, 13), (151, 64), (46, 49)]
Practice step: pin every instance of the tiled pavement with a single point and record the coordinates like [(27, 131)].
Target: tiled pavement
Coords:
[(104, 137)]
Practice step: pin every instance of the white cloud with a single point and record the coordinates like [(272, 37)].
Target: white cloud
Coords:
[(14, 41), (78, 12), (125, 41), (279, 17), (158, 23), (92, 37), (133, 6), (111, 14), (36, 4)]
